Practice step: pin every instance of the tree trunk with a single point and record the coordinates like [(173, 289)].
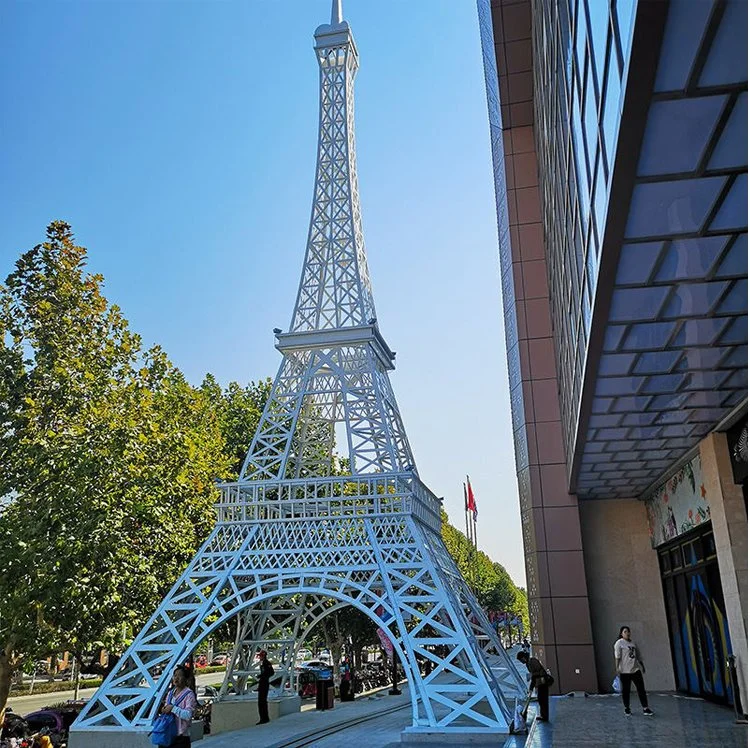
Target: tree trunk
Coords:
[(6, 676), (357, 647), (77, 679), (338, 645)]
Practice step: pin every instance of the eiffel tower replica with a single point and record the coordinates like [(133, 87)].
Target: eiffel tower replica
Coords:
[(295, 540)]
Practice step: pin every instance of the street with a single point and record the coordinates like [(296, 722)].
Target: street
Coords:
[(27, 704)]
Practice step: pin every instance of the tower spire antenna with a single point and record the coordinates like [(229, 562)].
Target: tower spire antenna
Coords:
[(336, 14)]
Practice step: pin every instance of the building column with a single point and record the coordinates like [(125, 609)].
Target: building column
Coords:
[(729, 522)]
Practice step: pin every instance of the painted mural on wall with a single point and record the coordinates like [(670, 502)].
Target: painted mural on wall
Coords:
[(678, 505)]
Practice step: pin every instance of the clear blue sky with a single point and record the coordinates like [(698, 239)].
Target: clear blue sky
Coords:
[(178, 139)]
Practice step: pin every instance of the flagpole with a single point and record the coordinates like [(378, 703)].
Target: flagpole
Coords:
[(466, 512), (470, 505)]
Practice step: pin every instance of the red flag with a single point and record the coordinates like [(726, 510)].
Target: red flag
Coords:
[(471, 503)]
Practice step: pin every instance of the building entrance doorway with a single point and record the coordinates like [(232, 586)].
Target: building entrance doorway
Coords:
[(698, 627)]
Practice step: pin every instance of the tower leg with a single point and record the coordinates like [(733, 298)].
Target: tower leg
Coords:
[(282, 578)]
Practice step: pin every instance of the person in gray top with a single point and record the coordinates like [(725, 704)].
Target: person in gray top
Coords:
[(630, 668)]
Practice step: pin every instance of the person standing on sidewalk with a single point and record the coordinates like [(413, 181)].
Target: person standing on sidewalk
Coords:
[(541, 680), (266, 671), (629, 666), (181, 702)]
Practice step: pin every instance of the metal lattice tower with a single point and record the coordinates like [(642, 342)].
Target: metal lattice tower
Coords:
[(294, 541)]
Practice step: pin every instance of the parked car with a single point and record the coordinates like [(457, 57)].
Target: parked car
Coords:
[(304, 654), (220, 660), (313, 665)]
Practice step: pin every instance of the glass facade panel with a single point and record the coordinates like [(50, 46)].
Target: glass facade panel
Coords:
[(569, 83), (611, 117), (677, 133), (624, 10), (591, 120), (732, 148), (694, 299), (733, 211), (600, 199), (649, 336), (581, 35), (637, 262), (690, 258), (727, 62), (599, 17), (632, 304), (686, 24), (665, 208), (580, 154)]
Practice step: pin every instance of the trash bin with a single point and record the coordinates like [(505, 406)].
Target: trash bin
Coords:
[(324, 691)]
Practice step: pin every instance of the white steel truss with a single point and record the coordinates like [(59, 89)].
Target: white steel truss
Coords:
[(294, 541)]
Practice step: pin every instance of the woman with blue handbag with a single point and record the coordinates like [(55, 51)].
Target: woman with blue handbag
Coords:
[(171, 728)]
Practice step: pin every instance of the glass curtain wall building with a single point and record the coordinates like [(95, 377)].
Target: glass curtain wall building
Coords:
[(619, 145)]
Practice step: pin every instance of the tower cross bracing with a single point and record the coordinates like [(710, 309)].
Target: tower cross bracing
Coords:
[(295, 541)]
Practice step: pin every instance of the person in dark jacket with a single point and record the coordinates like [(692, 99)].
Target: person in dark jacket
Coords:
[(266, 671), (540, 680)]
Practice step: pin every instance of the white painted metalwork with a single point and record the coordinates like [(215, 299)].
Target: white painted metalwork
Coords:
[(294, 541)]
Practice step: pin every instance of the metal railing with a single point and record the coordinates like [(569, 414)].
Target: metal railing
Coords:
[(381, 494)]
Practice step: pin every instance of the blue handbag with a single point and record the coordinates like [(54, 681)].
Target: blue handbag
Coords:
[(164, 726)]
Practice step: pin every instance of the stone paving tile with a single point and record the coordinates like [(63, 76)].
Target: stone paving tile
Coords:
[(576, 722), (679, 722)]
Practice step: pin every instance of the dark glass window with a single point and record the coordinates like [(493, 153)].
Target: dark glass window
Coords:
[(664, 562), (709, 545)]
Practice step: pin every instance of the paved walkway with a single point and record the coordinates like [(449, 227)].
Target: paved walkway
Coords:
[(575, 722), (310, 721), (599, 721)]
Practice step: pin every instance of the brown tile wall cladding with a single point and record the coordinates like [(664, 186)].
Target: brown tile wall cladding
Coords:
[(558, 597)]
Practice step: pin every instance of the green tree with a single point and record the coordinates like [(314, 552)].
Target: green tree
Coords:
[(238, 410), (489, 580), (108, 460)]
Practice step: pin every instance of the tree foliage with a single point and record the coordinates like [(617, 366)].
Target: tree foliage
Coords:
[(238, 409), (108, 461), (345, 630), (488, 579)]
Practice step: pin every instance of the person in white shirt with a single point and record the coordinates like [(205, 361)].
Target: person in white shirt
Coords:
[(630, 668)]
